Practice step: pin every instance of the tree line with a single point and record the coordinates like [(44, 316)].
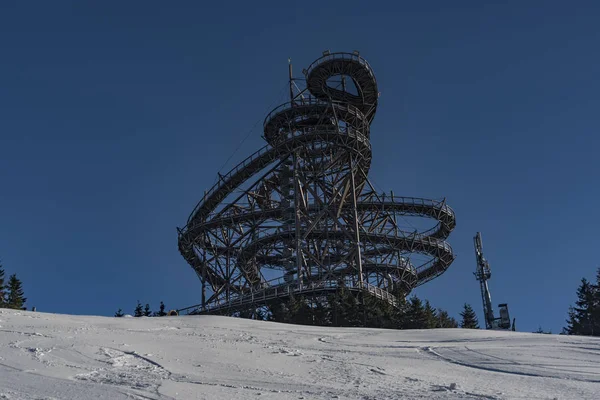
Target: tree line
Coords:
[(11, 292), (145, 311), (584, 316), (345, 309)]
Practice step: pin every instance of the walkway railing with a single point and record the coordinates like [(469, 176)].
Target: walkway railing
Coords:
[(287, 289)]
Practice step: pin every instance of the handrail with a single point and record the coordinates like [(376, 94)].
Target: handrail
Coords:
[(310, 102), (397, 200), (287, 288), (224, 178), (337, 56), (244, 162)]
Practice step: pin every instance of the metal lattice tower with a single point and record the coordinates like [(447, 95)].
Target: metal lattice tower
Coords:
[(483, 273), (299, 216)]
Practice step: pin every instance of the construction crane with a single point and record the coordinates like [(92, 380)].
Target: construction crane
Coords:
[(483, 273)]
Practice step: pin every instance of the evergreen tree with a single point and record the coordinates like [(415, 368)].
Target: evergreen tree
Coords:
[(469, 318), (415, 317), (572, 327), (343, 308), (581, 317), (147, 312), (278, 312), (333, 309), (293, 307), (161, 312), (119, 313), (377, 312), (321, 314), (299, 311), (256, 313), (348, 310), (445, 320), (431, 318), (398, 314), (15, 297), (596, 305), (2, 288), (394, 317), (138, 310), (245, 313)]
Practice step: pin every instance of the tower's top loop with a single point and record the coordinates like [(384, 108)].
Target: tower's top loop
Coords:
[(351, 65)]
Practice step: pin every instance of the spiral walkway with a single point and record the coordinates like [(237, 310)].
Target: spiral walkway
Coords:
[(299, 216)]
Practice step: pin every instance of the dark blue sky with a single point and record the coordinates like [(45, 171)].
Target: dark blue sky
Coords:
[(116, 116)]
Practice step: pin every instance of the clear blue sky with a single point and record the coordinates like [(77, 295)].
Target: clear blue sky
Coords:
[(116, 116)]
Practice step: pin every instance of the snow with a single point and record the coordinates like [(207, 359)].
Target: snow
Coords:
[(52, 356)]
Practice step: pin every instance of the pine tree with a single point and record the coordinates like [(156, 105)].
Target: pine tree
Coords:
[(147, 311), (299, 311), (161, 312), (581, 317), (119, 313), (445, 320), (343, 308), (246, 313), (2, 288), (377, 314), (278, 313), (348, 309), (431, 318), (399, 315), (334, 309), (596, 305), (14, 298), (469, 318), (293, 306), (321, 314), (138, 310), (453, 323), (415, 317), (572, 327)]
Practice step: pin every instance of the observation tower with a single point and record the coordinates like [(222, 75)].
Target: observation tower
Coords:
[(299, 217)]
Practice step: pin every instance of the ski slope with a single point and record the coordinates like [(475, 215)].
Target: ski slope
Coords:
[(51, 356)]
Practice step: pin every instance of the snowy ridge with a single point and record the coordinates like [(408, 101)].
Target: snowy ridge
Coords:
[(51, 356)]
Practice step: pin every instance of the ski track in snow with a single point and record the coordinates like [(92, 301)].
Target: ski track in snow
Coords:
[(51, 356)]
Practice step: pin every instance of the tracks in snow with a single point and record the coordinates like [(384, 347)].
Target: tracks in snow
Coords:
[(480, 360)]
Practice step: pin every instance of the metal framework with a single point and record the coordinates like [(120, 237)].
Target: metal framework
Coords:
[(483, 273), (300, 216)]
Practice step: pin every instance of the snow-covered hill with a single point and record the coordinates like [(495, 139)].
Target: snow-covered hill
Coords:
[(50, 356)]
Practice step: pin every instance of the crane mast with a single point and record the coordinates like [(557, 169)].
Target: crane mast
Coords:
[(482, 274)]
